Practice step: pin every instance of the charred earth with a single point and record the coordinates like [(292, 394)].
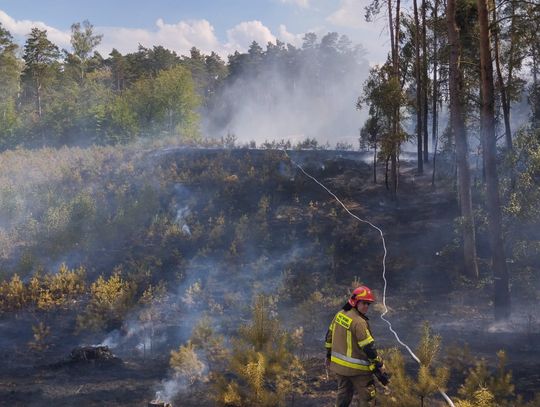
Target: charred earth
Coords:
[(157, 258)]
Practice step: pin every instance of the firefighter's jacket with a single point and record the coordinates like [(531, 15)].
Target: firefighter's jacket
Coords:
[(347, 341)]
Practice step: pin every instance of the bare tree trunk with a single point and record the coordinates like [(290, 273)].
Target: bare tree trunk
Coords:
[(419, 104), (38, 98), (394, 44), (434, 112), (457, 123), (535, 105), (396, 124), (500, 80), (375, 164), (501, 298), (425, 109), (391, 29), (386, 173)]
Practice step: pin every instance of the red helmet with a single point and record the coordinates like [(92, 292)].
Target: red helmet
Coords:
[(361, 293)]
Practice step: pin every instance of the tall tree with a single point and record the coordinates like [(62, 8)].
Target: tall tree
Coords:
[(84, 41), (118, 66), (532, 39), (457, 125), (425, 109), (10, 71), (41, 64), (489, 147), (396, 135), (396, 130), (435, 91), (419, 89)]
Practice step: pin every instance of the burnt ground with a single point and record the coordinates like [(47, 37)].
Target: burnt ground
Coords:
[(423, 285)]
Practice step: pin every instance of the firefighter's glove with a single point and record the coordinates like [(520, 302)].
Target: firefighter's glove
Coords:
[(382, 376)]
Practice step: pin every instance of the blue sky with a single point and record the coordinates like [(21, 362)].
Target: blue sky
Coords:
[(219, 25)]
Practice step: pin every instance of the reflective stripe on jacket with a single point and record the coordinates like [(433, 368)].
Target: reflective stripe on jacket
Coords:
[(347, 335)]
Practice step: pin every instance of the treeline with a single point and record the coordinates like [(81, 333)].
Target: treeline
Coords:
[(478, 58), (53, 97)]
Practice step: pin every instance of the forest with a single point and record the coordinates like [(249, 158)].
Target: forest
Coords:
[(164, 239)]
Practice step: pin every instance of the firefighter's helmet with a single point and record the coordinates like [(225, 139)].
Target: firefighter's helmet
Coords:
[(361, 293)]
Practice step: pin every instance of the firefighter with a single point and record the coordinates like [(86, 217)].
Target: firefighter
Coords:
[(351, 353)]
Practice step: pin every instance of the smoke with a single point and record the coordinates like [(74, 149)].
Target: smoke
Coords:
[(311, 95), (169, 388)]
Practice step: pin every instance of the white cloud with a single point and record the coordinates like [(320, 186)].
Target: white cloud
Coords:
[(21, 28), (300, 3), (350, 14), (242, 35), (373, 35), (290, 38), (179, 37)]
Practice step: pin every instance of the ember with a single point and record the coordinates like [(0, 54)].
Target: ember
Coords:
[(157, 403), (87, 353), (95, 355)]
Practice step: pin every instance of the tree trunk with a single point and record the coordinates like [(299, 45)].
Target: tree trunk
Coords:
[(419, 86), (391, 30), (503, 89), (38, 97), (396, 124), (394, 175), (375, 164), (501, 298), (535, 103), (435, 93), (386, 173), (425, 109), (457, 124)]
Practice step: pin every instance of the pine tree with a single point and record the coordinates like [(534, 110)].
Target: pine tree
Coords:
[(41, 65)]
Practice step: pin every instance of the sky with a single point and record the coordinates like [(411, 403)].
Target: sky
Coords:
[(223, 26)]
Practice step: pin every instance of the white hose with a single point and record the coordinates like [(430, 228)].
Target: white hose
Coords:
[(443, 394)]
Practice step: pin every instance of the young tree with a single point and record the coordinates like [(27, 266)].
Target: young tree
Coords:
[(396, 136), (370, 135), (383, 95), (265, 371)]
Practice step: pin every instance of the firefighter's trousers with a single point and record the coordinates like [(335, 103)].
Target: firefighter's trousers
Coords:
[(362, 384)]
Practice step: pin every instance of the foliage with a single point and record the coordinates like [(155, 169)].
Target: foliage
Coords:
[(205, 338), (109, 303), (521, 212), (153, 300), (499, 386), (186, 363), (406, 391), (265, 370), (384, 96), (43, 292), (12, 294), (41, 335)]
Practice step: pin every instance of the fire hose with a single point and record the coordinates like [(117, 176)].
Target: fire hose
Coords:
[(442, 393)]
